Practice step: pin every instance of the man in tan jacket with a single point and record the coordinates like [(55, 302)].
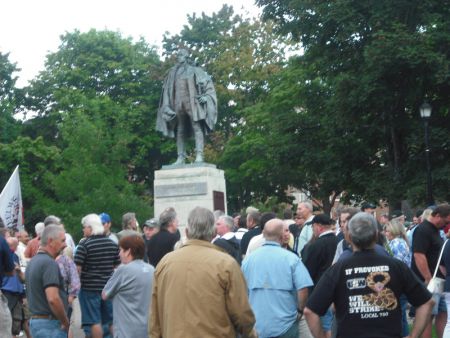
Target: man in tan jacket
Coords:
[(199, 290)]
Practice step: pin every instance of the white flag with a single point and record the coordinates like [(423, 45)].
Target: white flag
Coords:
[(11, 210)]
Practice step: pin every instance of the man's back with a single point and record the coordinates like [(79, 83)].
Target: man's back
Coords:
[(365, 289), (274, 275), (199, 291), (231, 245), (6, 266), (97, 256), (159, 245), (247, 237), (6, 259), (319, 255)]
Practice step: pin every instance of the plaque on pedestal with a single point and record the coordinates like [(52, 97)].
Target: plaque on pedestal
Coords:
[(187, 186)]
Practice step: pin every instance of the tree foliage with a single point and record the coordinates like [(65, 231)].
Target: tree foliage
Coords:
[(378, 62), (104, 74), (10, 99), (96, 101), (38, 162)]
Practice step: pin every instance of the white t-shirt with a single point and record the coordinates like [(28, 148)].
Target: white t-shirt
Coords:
[(255, 243)]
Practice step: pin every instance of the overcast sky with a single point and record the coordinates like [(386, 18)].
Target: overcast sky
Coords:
[(30, 29)]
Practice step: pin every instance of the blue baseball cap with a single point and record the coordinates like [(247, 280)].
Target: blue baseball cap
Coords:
[(105, 218)]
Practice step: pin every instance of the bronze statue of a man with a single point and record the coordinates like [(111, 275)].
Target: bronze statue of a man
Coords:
[(188, 106)]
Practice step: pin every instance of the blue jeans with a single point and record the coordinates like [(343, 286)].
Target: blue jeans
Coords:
[(403, 305), (45, 328), (439, 305), (327, 320)]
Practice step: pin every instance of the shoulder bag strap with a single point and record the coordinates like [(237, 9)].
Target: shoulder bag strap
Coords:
[(439, 259)]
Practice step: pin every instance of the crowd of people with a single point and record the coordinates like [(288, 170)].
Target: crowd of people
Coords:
[(248, 275)]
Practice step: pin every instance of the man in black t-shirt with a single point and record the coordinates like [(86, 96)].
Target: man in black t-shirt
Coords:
[(319, 254), (253, 220), (150, 228), (365, 289), (427, 243), (164, 241)]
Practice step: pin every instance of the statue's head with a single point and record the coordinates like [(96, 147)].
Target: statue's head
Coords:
[(182, 56)]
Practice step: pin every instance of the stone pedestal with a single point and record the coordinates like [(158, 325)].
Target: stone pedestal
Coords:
[(185, 187)]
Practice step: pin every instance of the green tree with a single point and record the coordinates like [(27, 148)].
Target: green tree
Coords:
[(10, 98), (96, 101), (92, 178), (284, 145), (90, 69), (378, 62), (38, 163)]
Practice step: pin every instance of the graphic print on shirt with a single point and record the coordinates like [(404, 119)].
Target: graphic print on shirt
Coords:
[(380, 299), (383, 296)]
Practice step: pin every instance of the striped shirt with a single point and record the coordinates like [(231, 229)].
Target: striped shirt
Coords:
[(97, 256)]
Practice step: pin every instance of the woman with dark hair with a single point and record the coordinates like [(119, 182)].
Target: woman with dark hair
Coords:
[(130, 289)]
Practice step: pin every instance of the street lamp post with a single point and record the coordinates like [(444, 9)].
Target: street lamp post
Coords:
[(425, 113)]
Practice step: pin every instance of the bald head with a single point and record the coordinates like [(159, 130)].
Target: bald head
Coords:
[(273, 230)]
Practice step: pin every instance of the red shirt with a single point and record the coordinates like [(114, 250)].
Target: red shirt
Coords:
[(32, 247)]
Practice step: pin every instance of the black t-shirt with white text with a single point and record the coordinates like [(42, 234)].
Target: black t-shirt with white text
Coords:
[(365, 289)]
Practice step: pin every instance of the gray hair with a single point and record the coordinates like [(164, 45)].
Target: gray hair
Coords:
[(308, 205), (127, 218), (167, 217), (52, 219), (38, 228), (201, 224), (255, 216), (218, 214), (363, 230), (229, 222), (349, 210), (51, 231), (93, 221), (251, 209)]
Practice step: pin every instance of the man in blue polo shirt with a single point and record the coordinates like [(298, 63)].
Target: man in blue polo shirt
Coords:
[(278, 285)]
